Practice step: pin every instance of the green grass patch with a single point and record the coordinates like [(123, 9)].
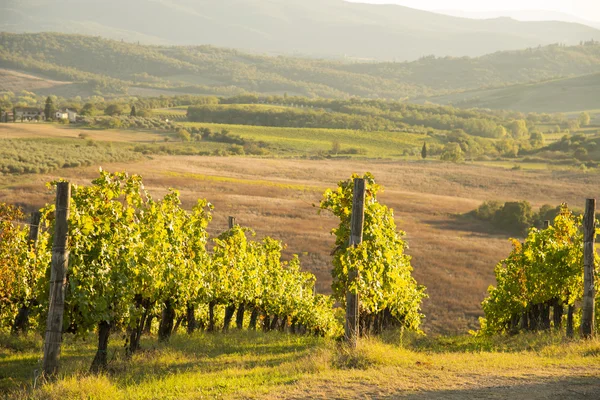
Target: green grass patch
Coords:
[(253, 364), (310, 141), (251, 182)]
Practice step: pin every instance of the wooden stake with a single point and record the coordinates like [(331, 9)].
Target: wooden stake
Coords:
[(34, 228), (356, 236), (231, 222), (58, 281), (546, 224), (589, 295)]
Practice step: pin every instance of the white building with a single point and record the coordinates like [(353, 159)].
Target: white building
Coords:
[(66, 114), (72, 115), (61, 115)]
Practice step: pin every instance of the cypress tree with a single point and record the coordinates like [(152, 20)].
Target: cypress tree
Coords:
[(133, 112), (424, 151), (49, 110)]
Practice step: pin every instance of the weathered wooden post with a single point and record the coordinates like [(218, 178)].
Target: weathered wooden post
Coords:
[(356, 236), (589, 295), (34, 228), (58, 280), (546, 224), (230, 309)]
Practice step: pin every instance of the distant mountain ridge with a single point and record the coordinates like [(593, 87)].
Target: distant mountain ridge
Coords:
[(326, 28), (523, 15)]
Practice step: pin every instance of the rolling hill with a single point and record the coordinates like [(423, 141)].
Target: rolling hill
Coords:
[(102, 66), (11, 81), (559, 95), (331, 28)]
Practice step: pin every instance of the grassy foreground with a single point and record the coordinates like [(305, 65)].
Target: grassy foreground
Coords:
[(274, 365)]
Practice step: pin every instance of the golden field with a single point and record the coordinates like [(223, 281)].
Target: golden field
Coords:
[(453, 256)]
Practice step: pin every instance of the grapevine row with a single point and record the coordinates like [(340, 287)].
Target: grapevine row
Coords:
[(134, 259), (541, 277)]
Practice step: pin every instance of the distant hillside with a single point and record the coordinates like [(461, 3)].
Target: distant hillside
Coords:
[(12, 81), (560, 95), (331, 28), (101, 66), (523, 15)]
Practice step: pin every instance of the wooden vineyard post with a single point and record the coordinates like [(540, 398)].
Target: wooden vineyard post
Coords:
[(546, 224), (356, 236), (58, 280), (34, 229), (231, 222), (589, 295)]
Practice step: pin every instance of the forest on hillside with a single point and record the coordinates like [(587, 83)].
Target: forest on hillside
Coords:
[(112, 67)]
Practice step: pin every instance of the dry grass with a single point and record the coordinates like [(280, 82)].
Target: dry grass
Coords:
[(42, 130), (452, 256), (16, 81)]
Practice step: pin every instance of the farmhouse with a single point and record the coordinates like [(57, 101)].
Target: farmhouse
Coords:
[(66, 114), (7, 116), (61, 115), (29, 114)]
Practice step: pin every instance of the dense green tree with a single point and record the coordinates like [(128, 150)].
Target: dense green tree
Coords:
[(133, 112), (514, 216), (508, 147), (113, 109), (500, 132), (453, 153), (488, 210), (49, 109), (584, 119), (518, 129), (88, 109), (424, 151), (536, 139)]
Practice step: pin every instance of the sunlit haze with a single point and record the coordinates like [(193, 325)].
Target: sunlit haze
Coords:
[(586, 9)]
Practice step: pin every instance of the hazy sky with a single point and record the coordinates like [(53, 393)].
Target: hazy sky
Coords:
[(586, 9)]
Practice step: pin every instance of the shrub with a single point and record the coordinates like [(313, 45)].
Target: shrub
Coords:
[(236, 150), (184, 135), (488, 210), (514, 216), (453, 153)]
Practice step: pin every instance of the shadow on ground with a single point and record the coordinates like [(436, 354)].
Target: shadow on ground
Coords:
[(575, 388), (467, 223)]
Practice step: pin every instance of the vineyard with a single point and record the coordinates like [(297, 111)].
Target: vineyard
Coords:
[(540, 278), (133, 260), (132, 268)]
